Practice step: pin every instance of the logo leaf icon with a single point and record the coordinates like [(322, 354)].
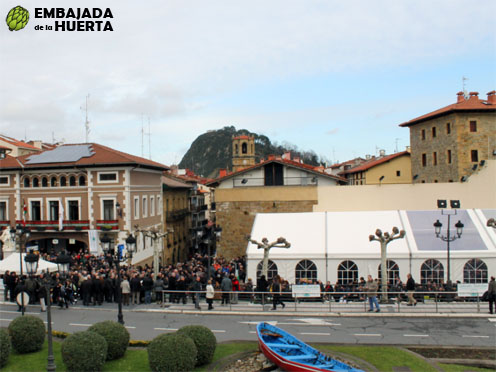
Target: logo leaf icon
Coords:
[(17, 18)]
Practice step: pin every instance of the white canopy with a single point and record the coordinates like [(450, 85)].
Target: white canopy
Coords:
[(12, 263)]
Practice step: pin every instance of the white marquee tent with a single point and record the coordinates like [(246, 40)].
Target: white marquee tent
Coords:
[(329, 239), (12, 263)]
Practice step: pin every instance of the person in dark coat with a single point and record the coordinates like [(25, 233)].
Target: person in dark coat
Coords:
[(181, 287), (262, 287), (197, 287), (86, 290), (410, 290), (491, 293), (135, 289), (6, 278), (226, 287), (147, 288), (276, 293), (108, 289), (97, 290), (12, 283), (19, 288)]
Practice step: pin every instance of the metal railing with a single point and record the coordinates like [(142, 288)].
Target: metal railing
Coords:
[(429, 302)]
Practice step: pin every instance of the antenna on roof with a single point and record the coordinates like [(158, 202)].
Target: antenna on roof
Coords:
[(86, 123), (464, 79), (149, 134), (142, 135), (396, 141)]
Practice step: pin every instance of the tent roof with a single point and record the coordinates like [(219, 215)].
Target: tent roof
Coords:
[(12, 263)]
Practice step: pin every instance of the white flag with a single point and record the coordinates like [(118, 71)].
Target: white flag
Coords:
[(61, 215)]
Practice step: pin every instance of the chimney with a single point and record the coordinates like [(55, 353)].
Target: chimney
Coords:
[(222, 173), (382, 152), (491, 97), (297, 159), (408, 149), (474, 95), (271, 157), (367, 157), (287, 155), (460, 98)]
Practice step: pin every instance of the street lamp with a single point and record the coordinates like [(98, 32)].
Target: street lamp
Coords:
[(21, 231), (63, 262), (385, 239), (448, 239)]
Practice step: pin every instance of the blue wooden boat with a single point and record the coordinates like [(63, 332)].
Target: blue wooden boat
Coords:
[(291, 354)]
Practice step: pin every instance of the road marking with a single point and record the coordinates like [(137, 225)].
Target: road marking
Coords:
[(218, 331), (271, 322), (492, 319), (315, 321), (6, 320), (315, 334), (252, 332), (166, 329), (475, 336), (416, 335), (129, 327), (17, 312), (310, 324), (80, 325), (368, 334)]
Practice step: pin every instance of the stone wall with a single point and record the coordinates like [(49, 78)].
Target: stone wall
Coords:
[(236, 219)]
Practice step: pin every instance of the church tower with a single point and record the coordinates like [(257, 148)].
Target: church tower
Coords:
[(243, 152)]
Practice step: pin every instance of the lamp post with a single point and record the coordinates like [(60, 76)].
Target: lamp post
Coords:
[(385, 239), (63, 262), (448, 238), (212, 235), (21, 232), (114, 260)]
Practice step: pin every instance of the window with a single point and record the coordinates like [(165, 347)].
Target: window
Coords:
[(244, 148), (448, 128), (82, 181), (474, 156), (398, 173), (108, 210), (73, 210), (236, 149), (107, 177), (448, 156), (273, 174), (53, 182), (36, 182), (433, 132), (36, 210), (422, 134), (63, 181), (393, 272), (434, 158), (475, 271), (271, 269), (145, 206), (431, 271), (53, 208), (152, 206), (347, 272), (305, 269), (26, 182), (72, 181), (473, 126), (159, 206), (136, 208), (4, 180), (44, 182), (3, 211), (424, 160)]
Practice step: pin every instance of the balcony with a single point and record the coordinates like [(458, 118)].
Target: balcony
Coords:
[(176, 215), (107, 225), (199, 208), (67, 225), (4, 223)]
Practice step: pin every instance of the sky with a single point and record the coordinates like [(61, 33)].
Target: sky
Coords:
[(334, 77)]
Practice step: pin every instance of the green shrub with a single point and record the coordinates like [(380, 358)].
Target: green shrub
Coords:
[(204, 340), (27, 334), (172, 352), (115, 334), (4, 347), (84, 352)]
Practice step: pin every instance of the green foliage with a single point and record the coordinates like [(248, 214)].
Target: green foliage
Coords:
[(115, 334), (27, 334), (84, 351), (204, 340), (172, 352), (4, 347)]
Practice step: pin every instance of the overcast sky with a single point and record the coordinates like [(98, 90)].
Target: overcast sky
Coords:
[(336, 77)]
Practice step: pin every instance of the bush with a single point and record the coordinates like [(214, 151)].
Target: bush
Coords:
[(204, 340), (115, 334), (172, 352), (4, 347), (27, 334), (84, 351)]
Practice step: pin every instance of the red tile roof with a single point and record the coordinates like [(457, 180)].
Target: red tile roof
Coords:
[(103, 155), (279, 160), (375, 162), (473, 103), (243, 136), (17, 143)]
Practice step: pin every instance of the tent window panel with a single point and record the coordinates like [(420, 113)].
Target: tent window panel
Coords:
[(393, 272), (475, 271), (271, 270), (347, 272), (431, 271), (306, 269)]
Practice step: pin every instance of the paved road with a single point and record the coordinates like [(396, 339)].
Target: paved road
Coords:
[(145, 324)]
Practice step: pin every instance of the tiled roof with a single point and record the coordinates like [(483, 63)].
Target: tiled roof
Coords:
[(173, 182), (17, 143), (103, 155), (291, 163), (375, 162), (243, 136), (473, 103), (348, 162)]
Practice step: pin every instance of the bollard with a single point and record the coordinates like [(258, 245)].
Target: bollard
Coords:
[(435, 300), (478, 304)]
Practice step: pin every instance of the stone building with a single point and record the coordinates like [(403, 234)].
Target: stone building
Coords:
[(450, 144), (70, 196), (243, 155), (276, 185)]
